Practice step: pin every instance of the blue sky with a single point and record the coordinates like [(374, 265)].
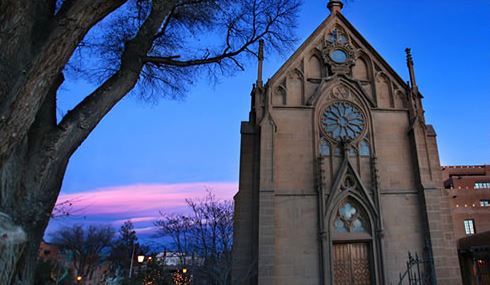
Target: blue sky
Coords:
[(194, 142)]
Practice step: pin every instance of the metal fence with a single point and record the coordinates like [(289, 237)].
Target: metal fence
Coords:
[(419, 271)]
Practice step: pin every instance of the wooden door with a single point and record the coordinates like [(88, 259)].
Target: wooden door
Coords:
[(351, 264)]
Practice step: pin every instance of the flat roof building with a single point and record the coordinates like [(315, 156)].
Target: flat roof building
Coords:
[(469, 187), (469, 190)]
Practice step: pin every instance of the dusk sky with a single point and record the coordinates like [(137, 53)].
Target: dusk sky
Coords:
[(145, 157)]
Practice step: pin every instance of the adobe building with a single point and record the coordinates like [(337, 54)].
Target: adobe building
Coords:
[(339, 172), (469, 190)]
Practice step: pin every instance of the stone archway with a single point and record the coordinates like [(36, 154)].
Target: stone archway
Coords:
[(352, 254)]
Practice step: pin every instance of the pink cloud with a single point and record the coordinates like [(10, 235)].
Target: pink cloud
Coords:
[(142, 202), (136, 220), (145, 230)]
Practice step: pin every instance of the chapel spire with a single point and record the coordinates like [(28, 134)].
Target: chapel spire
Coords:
[(335, 6), (261, 63), (411, 69)]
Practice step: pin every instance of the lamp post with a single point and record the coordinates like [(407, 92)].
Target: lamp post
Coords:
[(131, 264)]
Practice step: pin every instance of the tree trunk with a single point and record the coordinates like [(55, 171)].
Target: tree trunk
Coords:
[(22, 224), (30, 180), (32, 172)]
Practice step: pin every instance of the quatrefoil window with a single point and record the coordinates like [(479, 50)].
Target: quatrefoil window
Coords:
[(343, 121), (337, 36), (351, 219)]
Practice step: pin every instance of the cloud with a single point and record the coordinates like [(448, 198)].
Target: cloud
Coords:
[(136, 220), (139, 203), (142, 199)]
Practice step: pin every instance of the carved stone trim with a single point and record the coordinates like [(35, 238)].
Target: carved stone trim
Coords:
[(338, 40)]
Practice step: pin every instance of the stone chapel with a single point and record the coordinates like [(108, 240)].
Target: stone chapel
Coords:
[(339, 172)]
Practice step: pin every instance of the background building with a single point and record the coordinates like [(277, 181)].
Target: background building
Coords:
[(469, 188)]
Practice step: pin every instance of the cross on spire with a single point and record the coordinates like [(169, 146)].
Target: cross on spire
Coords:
[(335, 6)]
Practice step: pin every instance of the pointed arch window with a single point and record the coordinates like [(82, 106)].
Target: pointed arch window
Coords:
[(351, 218), (364, 148), (324, 147)]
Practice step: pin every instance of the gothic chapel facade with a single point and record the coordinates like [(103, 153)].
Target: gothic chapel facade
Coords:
[(339, 173)]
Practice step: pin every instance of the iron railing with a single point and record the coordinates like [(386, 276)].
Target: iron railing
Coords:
[(419, 271)]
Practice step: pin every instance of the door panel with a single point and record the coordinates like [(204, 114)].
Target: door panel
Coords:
[(351, 264)]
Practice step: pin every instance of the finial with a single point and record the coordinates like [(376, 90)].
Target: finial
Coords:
[(411, 68), (261, 63), (335, 6)]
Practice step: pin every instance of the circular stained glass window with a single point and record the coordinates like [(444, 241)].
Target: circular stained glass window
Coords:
[(343, 121), (338, 55)]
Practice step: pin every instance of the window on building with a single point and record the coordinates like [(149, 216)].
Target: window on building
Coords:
[(482, 185), (352, 152), (324, 147), (364, 148), (351, 219), (469, 227), (485, 203)]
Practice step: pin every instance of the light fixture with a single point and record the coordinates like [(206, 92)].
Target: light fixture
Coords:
[(184, 270), (79, 278), (141, 258)]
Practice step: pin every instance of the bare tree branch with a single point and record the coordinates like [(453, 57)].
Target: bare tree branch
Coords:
[(78, 123), (18, 112)]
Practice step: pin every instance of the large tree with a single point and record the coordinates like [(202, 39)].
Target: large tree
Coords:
[(85, 246), (148, 45), (125, 248)]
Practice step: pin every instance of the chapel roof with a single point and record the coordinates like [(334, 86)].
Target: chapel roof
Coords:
[(337, 15)]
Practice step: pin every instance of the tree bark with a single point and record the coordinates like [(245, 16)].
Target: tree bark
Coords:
[(27, 216), (35, 45), (25, 96), (30, 182)]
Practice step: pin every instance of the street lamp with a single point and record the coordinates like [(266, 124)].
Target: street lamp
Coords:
[(141, 258), (184, 270), (79, 279)]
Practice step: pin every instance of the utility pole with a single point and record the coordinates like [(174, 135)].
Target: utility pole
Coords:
[(131, 263)]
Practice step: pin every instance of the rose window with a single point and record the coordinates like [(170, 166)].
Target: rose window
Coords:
[(343, 121)]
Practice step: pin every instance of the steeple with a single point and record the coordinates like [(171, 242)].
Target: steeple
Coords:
[(335, 6), (261, 63), (411, 69)]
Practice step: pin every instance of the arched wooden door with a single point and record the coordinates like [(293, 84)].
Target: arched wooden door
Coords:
[(351, 248), (351, 263)]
